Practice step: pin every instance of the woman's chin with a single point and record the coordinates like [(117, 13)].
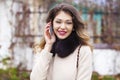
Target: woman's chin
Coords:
[(61, 37)]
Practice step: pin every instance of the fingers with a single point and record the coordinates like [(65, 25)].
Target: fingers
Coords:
[(46, 30), (48, 25), (47, 34), (50, 39)]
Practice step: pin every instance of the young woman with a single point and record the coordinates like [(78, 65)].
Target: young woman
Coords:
[(64, 53)]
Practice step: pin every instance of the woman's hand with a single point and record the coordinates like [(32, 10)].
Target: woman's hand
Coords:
[(50, 39)]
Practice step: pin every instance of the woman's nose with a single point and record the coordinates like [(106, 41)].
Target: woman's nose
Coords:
[(62, 26)]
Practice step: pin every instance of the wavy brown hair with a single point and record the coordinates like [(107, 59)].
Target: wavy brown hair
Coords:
[(78, 25)]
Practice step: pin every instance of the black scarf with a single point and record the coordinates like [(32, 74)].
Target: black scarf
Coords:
[(65, 47)]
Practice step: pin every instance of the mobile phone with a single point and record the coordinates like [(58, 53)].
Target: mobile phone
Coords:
[(51, 30)]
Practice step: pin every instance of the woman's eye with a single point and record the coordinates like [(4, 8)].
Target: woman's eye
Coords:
[(58, 22), (69, 22)]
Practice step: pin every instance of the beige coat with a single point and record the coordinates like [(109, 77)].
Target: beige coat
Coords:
[(48, 68)]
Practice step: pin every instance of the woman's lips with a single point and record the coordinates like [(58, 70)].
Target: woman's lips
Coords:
[(62, 32)]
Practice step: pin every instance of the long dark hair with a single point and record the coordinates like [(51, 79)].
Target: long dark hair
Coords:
[(65, 47)]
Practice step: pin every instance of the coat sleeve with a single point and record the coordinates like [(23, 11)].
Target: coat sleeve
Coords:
[(85, 64), (41, 65)]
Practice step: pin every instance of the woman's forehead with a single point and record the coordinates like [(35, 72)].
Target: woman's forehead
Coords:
[(63, 16)]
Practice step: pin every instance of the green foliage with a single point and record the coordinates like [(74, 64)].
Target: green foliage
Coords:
[(108, 78), (96, 76), (13, 74), (4, 61)]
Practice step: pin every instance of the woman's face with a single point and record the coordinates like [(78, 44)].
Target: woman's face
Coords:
[(62, 25)]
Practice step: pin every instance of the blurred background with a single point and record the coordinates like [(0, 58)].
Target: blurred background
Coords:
[(22, 23)]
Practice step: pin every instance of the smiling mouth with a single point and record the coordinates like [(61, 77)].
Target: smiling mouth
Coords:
[(62, 32)]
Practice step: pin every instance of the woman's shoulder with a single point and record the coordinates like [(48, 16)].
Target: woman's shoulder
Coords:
[(85, 49)]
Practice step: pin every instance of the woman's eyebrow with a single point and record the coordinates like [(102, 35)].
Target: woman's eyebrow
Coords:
[(61, 19), (58, 19), (69, 20)]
